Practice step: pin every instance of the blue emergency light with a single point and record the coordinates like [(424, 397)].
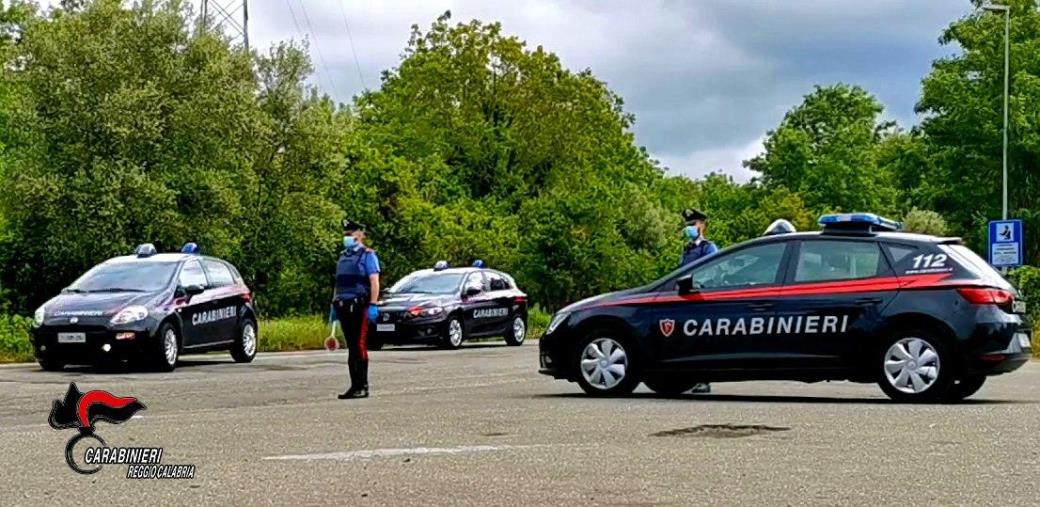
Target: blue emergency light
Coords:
[(145, 250), (440, 265), (191, 248), (478, 263), (867, 222)]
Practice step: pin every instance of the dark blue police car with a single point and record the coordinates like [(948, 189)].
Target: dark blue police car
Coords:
[(922, 316), (150, 308), (447, 306)]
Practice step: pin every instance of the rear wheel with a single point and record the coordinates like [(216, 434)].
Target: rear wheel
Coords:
[(166, 349), (517, 332), (244, 348), (669, 386), (453, 335), (606, 367), (965, 387), (915, 367), (51, 364)]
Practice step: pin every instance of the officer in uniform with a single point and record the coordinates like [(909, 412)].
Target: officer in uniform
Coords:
[(357, 291), (697, 245)]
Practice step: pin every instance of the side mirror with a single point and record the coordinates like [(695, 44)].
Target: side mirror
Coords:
[(471, 291), (685, 285), (192, 290)]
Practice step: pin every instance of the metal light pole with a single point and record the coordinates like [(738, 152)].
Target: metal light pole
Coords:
[(1007, 66)]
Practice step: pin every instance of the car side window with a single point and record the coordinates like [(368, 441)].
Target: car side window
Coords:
[(219, 274), (757, 265), (192, 274), (475, 280), (820, 261), (496, 282)]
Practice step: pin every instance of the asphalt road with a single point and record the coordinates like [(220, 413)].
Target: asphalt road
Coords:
[(480, 427)]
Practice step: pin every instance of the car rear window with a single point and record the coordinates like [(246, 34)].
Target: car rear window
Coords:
[(972, 262)]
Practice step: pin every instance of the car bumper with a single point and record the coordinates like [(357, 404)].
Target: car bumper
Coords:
[(552, 356), (100, 343), (405, 332)]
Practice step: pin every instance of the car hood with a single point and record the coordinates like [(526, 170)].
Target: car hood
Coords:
[(610, 296), (392, 302), (94, 304)]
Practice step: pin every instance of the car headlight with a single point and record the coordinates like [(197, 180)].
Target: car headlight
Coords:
[(38, 316), (430, 312), (130, 314), (556, 321)]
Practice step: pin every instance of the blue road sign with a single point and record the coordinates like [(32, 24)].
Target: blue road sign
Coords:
[(1006, 245)]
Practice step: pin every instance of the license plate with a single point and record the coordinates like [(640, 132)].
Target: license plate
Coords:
[(385, 328), (72, 338), (1018, 307)]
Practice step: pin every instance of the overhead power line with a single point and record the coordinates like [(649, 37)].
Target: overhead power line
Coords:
[(353, 49)]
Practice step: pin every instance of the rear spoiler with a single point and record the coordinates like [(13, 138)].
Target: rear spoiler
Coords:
[(951, 241)]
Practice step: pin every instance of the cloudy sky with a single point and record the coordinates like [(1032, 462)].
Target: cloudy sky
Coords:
[(705, 79)]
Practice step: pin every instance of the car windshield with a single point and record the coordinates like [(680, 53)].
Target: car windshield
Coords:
[(428, 283), (125, 277)]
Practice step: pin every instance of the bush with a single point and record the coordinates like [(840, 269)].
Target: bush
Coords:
[(924, 222), (294, 333), (14, 339), (1027, 280), (537, 320)]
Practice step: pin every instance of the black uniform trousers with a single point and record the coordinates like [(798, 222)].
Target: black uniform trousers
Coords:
[(353, 320)]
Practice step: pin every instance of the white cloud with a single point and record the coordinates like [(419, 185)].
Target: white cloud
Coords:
[(727, 159)]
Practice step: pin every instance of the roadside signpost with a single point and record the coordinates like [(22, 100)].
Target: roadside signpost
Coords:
[(1006, 245)]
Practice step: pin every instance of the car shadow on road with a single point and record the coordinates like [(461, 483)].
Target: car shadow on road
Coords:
[(433, 348), (715, 398)]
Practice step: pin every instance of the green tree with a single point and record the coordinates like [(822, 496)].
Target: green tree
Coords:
[(962, 100), (825, 150), (924, 222)]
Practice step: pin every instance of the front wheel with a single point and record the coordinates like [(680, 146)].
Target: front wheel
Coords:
[(916, 367), (517, 332), (605, 366), (167, 349), (453, 335), (243, 350)]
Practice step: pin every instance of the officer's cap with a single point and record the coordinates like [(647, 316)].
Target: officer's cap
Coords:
[(351, 226), (690, 214)]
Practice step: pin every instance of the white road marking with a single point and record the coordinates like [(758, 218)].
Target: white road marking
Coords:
[(390, 453)]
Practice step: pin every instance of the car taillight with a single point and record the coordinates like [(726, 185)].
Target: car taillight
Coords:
[(986, 295)]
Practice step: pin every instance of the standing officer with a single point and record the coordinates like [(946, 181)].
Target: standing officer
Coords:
[(357, 291), (697, 245)]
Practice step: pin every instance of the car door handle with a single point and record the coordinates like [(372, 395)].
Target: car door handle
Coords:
[(760, 306), (868, 301)]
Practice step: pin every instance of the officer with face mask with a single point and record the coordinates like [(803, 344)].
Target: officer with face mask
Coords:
[(357, 291), (697, 245)]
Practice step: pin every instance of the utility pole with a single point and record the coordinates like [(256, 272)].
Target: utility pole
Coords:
[(1007, 67), (232, 16)]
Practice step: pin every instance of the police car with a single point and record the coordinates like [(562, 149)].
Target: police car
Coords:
[(447, 306), (922, 316), (150, 308)]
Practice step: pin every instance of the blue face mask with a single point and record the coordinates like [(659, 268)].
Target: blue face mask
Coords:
[(691, 232), (349, 241)]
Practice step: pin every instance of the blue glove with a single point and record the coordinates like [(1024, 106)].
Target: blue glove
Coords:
[(373, 312)]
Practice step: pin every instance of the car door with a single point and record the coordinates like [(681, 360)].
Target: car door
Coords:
[(478, 309), (719, 324), (831, 300), (190, 306), (220, 322), (502, 295)]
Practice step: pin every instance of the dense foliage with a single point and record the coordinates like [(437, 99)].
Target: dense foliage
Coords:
[(123, 124)]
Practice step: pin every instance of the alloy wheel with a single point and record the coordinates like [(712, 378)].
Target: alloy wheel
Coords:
[(455, 333), (170, 346), (912, 365), (604, 363), (249, 339), (519, 330)]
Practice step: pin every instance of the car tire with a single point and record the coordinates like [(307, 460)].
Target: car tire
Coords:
[(243, 350), (965, 387), (607, 364), (915, 366), (453, 333), (51, 364), (166, 349), (669, 387), (517, 331)]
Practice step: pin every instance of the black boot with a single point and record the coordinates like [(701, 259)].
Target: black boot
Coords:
[(352, 367), (360, 385)]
